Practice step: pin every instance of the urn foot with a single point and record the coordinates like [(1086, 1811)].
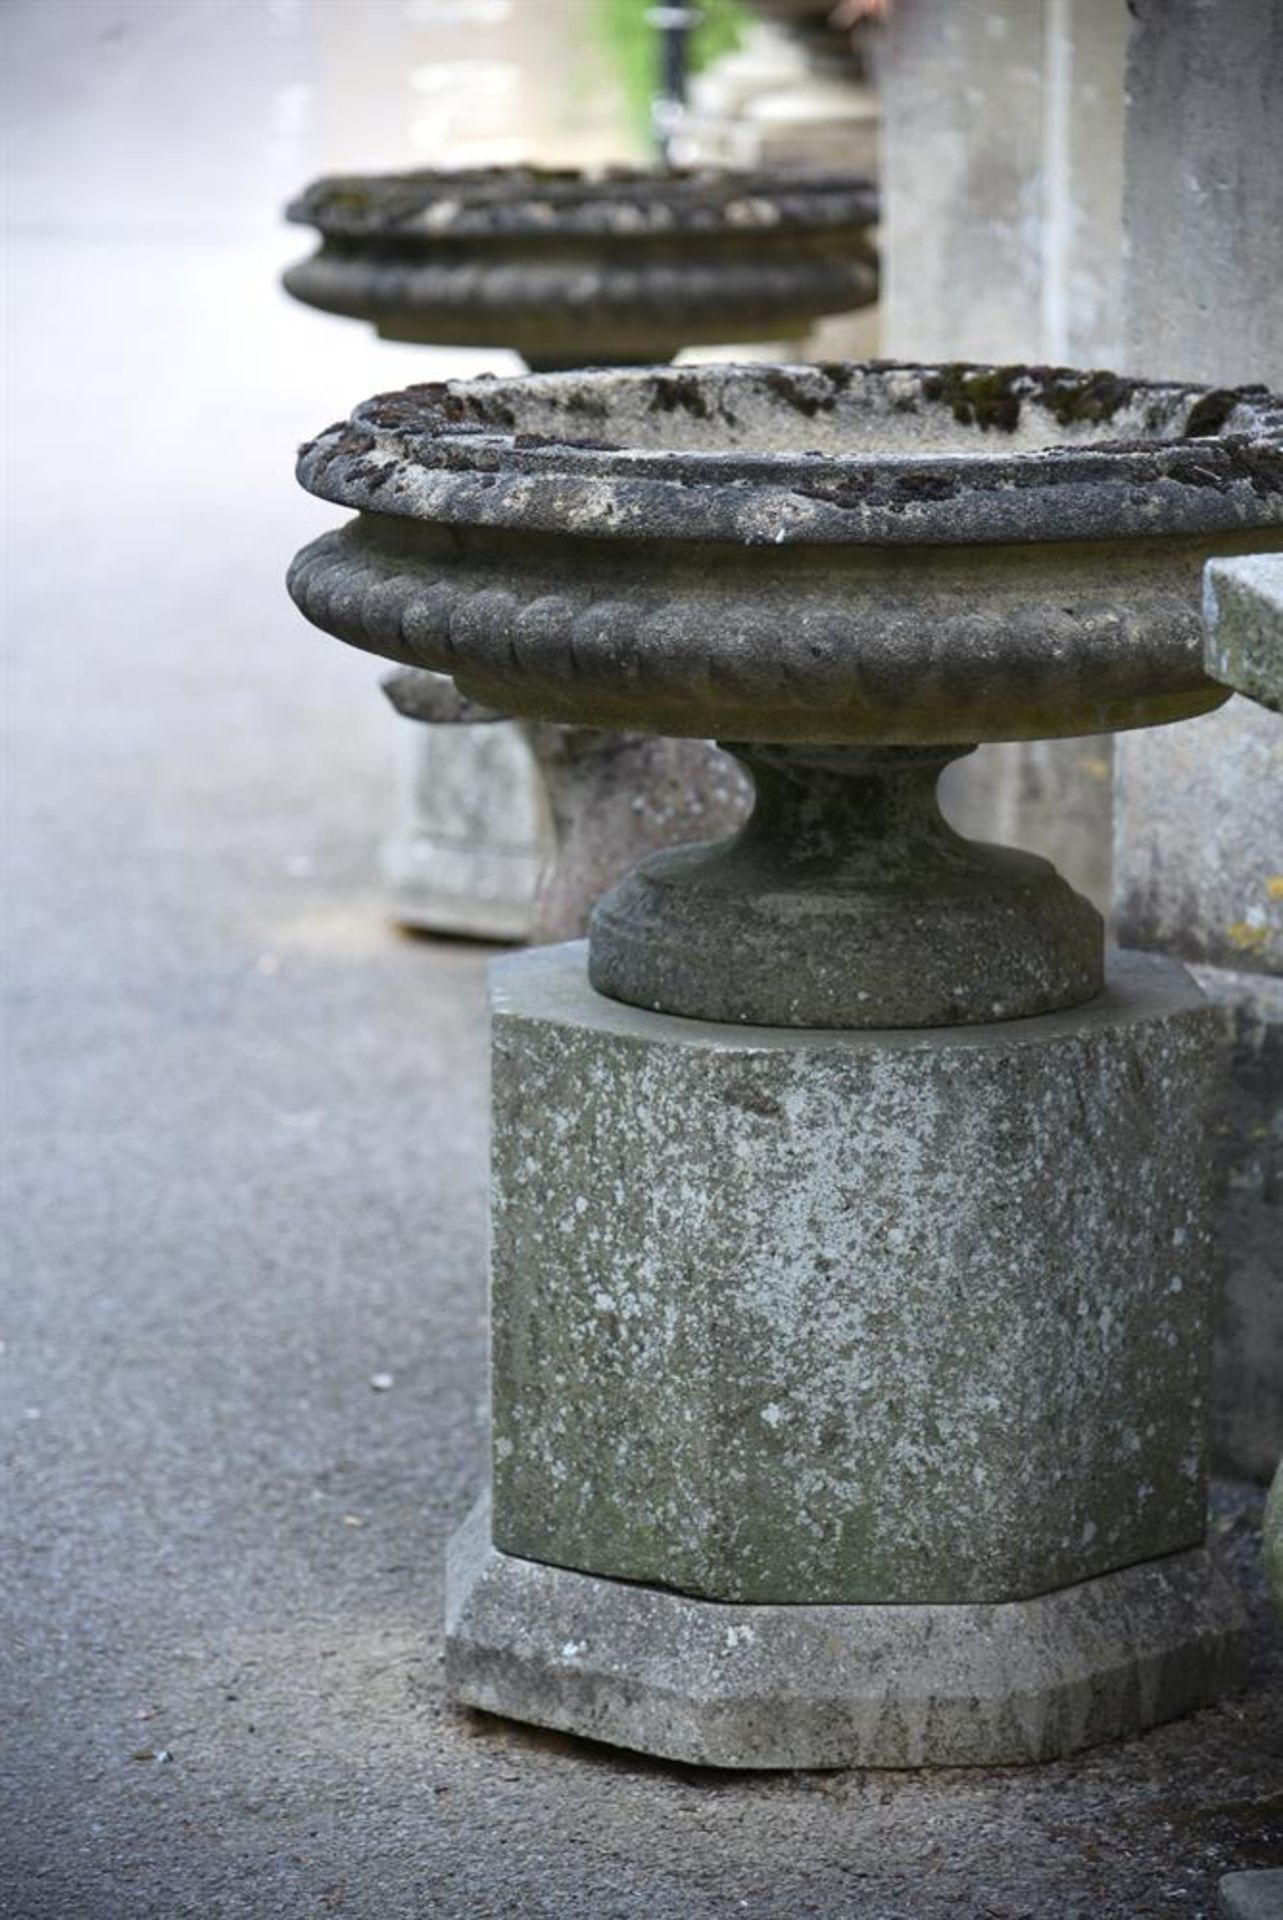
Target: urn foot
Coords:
[(847, 901)]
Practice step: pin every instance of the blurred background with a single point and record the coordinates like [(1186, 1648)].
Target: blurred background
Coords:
[(159, 379)]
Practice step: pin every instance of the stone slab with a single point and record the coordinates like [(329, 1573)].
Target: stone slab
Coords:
[(1198, 839), (1252, 1896), (1243, 608), (1246, 1145), (783, 1315), (812, 1686)]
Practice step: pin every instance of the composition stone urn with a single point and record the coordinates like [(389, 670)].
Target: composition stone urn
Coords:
[(568, 268), (850, 1232), (572, 268)]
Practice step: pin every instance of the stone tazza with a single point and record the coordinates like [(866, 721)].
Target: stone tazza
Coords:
[(570, 268), (1056, 524), (848, 575)]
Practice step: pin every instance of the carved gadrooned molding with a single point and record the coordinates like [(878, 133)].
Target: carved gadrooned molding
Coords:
[(847, 574), (835, 554), (571, 267)]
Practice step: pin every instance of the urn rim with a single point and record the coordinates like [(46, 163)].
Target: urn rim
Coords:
[(956, 453), (427, 205)]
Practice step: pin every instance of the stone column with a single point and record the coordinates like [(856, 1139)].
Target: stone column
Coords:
[(1002, 237), (1199, 836)]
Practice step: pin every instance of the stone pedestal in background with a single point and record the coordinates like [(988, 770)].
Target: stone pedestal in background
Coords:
[(519, 836), (817, 1514), (766, 105), (611, 799), (1199, 841), (1002, 195), (473, 834)]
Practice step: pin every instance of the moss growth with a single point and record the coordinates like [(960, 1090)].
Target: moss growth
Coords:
[(802, 395), (983, 397), (992, 397), (679, 392), (1208, 415), (1075, 399)]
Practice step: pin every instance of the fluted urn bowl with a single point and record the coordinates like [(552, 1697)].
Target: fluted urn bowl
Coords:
[(847, 574), (572, 268)]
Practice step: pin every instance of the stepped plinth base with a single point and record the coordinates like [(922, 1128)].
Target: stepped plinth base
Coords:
[(850, 1686)]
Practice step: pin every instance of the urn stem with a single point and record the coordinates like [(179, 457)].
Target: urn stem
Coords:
[(846, 900)]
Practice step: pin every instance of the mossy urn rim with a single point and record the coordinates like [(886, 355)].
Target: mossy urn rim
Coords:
[(432, 204), (859, 453), (856, 554)]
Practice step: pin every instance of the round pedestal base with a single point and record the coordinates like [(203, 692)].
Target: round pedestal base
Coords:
[(845, 1686), (847, 901)]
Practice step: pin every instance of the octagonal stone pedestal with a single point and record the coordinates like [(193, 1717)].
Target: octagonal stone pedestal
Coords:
[(849, 1386), (850, 1261)]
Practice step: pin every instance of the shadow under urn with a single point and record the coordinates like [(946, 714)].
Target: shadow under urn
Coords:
[(568, 268), (850, 1238)]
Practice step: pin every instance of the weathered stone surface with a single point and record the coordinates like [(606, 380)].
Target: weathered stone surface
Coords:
[(1195, 878), (1243, 602), (1272, 1539), (615, 798), (813, 1686), (846, 901), (472, 838), (784, 1316), (1252, 1895), (1246, 1144), (825, 555), (574, 268)]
